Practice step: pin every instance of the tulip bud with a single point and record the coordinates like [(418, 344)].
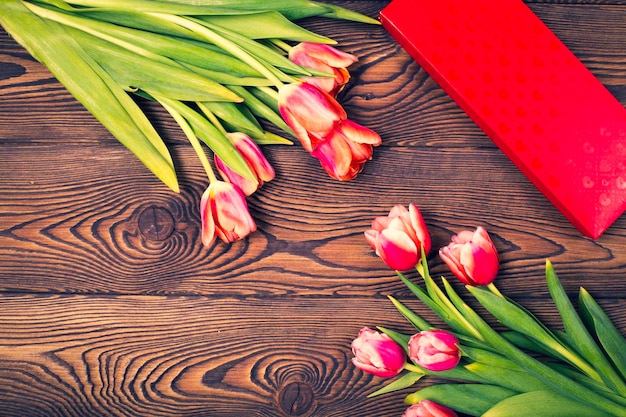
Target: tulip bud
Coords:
[(472, 257), (376, 353), (224, 213), (326, 59), (427, 408), (255, 159), (434, 350), (399, 237)]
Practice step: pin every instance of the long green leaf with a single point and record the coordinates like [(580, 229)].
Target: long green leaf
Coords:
[(578, 335), (138, 72), (415, 319), (517, 318), (260, 108), (516, 380), (50, 44), (542, 403), (195, 8), (407, 380), (266, 25), (557, 381), (610, 338), (472, 399)]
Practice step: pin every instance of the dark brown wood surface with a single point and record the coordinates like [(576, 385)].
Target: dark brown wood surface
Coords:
[(110, 305)]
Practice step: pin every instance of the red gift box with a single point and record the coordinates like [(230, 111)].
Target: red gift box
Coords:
[(529, 93)]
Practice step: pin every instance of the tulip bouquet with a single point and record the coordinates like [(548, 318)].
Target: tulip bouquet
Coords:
[(223, 69), (525, 369)]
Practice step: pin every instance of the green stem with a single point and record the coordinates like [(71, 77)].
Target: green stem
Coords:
[(193, 139), (220, 41), (212, 118), (492, 287), (282, 44)]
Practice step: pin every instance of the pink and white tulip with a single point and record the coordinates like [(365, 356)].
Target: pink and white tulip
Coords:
[(326, 59), (224, 214), (377, 354), (472, 257), (434, 350), (252, 154), (399, 237)]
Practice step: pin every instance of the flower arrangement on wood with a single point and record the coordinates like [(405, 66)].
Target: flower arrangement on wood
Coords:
[(526, 369), (223, 69)]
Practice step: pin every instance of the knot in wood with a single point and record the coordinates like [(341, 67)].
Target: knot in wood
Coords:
[(296, 398), (11, 70), (156, 223)]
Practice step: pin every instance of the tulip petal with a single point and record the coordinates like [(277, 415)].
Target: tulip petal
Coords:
[(334, 155), (325, 53), (313, 109), (397, 250), (208, 224), (359, 134)]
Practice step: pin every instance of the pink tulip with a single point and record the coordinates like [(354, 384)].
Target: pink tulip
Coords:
[(255, 159), (399, 237), (472, 257), (224, 213), (326, 59), (434, 350), (321, 125), (427, 408), (377, 354)]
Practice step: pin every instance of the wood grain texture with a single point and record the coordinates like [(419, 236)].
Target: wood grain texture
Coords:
[(110, 306)]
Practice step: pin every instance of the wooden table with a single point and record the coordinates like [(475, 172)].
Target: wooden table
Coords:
[(110, 305)]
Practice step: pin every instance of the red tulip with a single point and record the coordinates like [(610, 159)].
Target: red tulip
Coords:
[(224, 213), (427, 408), (435, 350), (255, 159), (399, 237), (326, 59), (321, 125), (472, 257), (377, 354), (346, 150)]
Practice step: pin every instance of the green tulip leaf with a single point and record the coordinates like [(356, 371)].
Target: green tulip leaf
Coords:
[(472, 399), (266, 25), (578, 335), (516, 380), (544, 404), (270, 138), (610, 338), (52, 45), (418, 322), (236, 115), (407, 380)]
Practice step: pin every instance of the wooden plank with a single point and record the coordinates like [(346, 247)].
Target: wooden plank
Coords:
[(163, 356), (102, 223)]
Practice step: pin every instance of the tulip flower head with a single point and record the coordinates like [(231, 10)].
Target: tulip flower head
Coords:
[(376, 353), (434, 350), (255, 159), (224, 213), (472, 257), (399, 237), (321, 125), (427, 408), (326, 59)]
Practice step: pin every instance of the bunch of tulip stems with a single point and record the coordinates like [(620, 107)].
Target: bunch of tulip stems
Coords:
[(215, 65), (526, 370)]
